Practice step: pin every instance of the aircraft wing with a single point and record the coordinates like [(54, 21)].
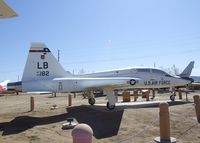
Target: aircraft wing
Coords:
[(6, 11), (100, 82)]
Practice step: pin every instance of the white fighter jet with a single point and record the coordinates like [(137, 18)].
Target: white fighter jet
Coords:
[(43, 73)]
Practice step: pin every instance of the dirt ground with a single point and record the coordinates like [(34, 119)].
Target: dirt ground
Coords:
[(126, 124)]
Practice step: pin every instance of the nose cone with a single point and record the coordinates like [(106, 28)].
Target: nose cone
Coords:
[(192, 80), (181, 81)]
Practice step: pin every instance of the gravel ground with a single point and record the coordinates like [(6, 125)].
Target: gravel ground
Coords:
[(126, 124)]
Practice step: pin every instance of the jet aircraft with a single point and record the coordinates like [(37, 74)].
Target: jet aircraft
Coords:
[(14, 87), (3, 86), (43, 73)]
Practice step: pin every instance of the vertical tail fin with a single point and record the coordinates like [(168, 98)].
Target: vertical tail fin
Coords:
[(187, 71), (42, 65)]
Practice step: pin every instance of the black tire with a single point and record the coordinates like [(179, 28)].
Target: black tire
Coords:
[(172, 97), (91, 101), (110, 107)]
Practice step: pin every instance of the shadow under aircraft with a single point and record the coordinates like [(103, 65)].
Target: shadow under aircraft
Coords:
[(104, 124)]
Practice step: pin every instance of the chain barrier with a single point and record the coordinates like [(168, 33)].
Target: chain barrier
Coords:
[(190, 127), (152, 124)]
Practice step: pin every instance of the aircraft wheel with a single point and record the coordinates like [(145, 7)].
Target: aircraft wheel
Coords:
[(91, 101), (172, 97), (110, 107)]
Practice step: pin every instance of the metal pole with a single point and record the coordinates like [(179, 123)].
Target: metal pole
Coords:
[(32, 103), (58, 55)]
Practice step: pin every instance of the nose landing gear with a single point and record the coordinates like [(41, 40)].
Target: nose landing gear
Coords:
[(91, 101)]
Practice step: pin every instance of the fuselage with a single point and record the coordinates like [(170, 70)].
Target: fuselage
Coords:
[(120, 79), (149, 77), (3, 86)]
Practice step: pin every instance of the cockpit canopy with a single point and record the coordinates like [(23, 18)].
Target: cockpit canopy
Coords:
[(155, 71)]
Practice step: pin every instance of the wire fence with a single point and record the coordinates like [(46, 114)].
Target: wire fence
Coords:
[(131, 136), (155, 121)]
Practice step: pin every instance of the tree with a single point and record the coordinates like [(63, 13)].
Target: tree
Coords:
[(81, 71), (171, 70), (175, 70)]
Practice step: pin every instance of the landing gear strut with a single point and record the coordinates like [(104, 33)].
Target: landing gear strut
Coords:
[(111, 99), (110, 107), (172, 97)]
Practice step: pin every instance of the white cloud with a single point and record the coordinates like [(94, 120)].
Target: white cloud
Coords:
[(108, 44)]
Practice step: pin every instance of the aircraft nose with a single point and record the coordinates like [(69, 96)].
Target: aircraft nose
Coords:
[(188, 80), (192, 80)]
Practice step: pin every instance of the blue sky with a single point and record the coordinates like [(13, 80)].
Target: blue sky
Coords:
[(97, 35)]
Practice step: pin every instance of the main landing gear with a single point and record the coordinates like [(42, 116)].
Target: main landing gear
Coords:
[(111, 99), (110, 107), (172, 97)]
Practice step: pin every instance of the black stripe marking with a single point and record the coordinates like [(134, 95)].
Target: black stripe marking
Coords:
[(40, 51)]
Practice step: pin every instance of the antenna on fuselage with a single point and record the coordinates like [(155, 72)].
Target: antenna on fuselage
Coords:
[(58, 55), (154, 64)]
